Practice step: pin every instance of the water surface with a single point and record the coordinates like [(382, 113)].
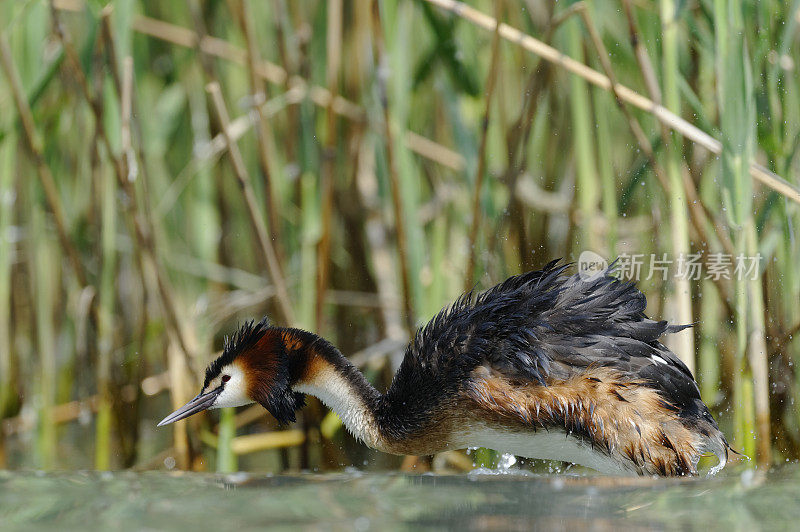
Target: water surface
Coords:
[(737, 500)]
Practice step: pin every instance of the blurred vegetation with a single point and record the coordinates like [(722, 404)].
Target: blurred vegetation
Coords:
[(169, 169)]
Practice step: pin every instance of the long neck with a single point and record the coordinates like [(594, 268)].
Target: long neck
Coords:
[(326, 374)]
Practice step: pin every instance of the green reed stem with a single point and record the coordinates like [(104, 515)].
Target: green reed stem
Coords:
[(708, 373), (757, 350), (679, 218), (588, 181), (7, 151), (106, 319), (393, 30), (44, 288), (310, 230), (226, 458), (603, 103), (737, 117)]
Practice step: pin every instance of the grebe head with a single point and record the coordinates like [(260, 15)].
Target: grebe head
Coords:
[(253, 368)]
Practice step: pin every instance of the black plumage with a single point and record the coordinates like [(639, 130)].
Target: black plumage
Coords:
[(538, 327)]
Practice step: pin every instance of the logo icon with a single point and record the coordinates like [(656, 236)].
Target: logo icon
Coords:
[(591, 265)]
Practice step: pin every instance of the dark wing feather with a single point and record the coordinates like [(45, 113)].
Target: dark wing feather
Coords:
[(537, 327)]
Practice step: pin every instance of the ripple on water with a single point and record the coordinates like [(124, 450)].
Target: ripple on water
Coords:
[(505, 497)]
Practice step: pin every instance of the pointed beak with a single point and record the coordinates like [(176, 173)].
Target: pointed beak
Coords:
[(202, 402)]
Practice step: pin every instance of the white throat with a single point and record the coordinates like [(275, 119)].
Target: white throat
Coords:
[(338, 395)]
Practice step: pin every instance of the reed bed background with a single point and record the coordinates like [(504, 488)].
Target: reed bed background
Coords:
[(170, 169)]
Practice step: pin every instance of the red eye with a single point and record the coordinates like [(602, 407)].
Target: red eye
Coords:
[(226, 378)]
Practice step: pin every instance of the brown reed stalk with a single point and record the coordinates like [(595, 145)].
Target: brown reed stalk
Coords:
[(257, 222), (394, 180), (287, 54), (469, 273), (262, 126), (334, 56), (131, 151), (377, 240), (517, 136)]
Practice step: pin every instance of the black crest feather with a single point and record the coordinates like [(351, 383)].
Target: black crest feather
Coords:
[(246, 337)]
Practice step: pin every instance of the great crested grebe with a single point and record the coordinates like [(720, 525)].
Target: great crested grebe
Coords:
[(543, 365)]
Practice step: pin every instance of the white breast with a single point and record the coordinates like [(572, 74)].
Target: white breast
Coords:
[(544, 445)]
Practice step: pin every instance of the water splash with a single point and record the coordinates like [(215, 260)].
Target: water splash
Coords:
[(505, 466), (506, 462)]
